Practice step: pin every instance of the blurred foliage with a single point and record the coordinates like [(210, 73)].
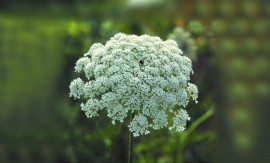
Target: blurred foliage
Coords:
[(196, 27), (40, 42), (78, 37)]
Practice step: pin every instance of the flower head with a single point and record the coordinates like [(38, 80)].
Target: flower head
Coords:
[(139, 74)]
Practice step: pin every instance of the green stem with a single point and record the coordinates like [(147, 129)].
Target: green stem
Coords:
[(175, 149), (130, 143), (178, 150), (178, 155)]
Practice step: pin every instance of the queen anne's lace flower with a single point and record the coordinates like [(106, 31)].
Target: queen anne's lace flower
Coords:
[(139, 74)]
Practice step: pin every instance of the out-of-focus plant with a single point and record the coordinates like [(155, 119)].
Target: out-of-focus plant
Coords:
[(185, 42), (140, 75), (250, 45), (240, 26), (78, 37), (143, 3), (267, 9), (109, 28), (218, 26), (196, 27), (262, 89), (203, 8), (226, 8), (240, 90), (237, 65), (250, 8), (228, 45), (260, 26)]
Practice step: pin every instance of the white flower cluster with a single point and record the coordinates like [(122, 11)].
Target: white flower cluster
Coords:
[(139, 74), (185, 42)]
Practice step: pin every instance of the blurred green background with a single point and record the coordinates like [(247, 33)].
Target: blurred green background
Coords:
[(41, 41)]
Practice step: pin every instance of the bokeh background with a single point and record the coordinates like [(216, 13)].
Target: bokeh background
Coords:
[(40, 42)]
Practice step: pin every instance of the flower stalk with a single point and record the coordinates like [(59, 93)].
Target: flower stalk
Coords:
[(130, 143)]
